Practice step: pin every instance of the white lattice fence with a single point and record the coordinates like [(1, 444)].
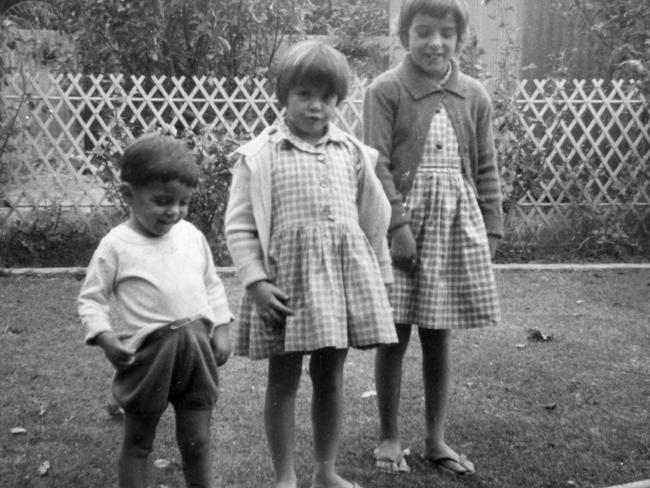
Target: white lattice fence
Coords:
[(66, 117), (592, 138)]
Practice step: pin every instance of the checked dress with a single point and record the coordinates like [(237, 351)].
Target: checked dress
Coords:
[(319, 256), (454, 285)]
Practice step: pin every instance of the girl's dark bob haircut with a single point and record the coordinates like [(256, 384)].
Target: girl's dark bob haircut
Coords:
[(156, 157), (313, 63), (434, 8)]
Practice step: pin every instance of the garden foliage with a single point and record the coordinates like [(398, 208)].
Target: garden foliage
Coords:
[(229, 38)]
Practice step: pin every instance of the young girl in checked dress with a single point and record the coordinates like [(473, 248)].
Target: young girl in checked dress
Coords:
[(432, 127), (306, 227)]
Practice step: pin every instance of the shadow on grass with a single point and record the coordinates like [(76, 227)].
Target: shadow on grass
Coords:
[(571, 412)]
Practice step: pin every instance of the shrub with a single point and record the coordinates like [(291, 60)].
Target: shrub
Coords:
[(208, 205), (53, 237)]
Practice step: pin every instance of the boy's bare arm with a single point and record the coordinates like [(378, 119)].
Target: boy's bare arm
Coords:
[(221, 344)]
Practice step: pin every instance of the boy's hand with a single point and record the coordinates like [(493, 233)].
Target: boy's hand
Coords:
[(119, 355), (221, 344), (271, 302), (403, 249)]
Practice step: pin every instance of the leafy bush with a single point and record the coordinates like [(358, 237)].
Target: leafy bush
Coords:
[(353, 25), (53, 238), (208, 205)]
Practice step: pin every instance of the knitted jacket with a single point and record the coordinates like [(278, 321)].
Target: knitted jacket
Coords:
[(398, 108)]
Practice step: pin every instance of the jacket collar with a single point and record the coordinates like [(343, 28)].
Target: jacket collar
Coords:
[(279, 132), (333, 134), (419, 85)]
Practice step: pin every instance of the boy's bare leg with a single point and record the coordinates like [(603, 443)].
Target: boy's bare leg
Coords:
[(279, 416), (193, 437), (139, 434), (388, 382)]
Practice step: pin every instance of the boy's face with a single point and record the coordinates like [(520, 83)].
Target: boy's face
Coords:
[(432, 41), (158, 206), (308, 111)]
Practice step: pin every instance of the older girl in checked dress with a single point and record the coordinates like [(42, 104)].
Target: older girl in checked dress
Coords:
[(306, 227), (432, 126)]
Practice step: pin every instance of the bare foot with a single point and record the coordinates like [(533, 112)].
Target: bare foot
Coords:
[(388, 449), (285, 484), (333, 481)]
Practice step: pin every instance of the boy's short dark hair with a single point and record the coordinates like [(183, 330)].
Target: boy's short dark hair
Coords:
[(316, 63), (434, 8), (156, 157)]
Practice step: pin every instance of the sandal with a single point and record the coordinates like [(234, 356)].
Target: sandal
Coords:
[(460, 466), (392, 465)]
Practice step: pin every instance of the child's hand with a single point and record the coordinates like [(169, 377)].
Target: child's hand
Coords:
[(118, 354), (221, 344), (403, 249), (493, 242), (271, 302)]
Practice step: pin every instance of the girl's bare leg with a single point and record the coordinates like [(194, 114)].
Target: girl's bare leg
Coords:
[(279, 416), (436, 371), (388, 381), (326, 371)]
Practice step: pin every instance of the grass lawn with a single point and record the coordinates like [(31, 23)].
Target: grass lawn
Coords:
[(569, 412)]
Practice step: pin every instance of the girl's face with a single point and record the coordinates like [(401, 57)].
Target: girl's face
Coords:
[(308, 111), (432, 41), (158, 206)]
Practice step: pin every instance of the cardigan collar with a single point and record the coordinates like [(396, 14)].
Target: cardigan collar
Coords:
[(419, 85)]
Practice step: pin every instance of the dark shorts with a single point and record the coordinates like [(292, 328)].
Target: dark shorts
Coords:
[(173, 365)]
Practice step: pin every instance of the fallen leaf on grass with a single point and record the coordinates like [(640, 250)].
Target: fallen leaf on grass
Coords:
[(368, 394), (535, 335), (44, 468), (162, 463), (18, 430)]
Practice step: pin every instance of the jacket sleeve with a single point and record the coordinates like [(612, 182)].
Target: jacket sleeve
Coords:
[(93, 303), (379, 112), (374, 211), (242, 237), (214, 288), (488, 184)]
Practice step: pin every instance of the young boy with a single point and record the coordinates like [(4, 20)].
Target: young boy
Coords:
[(160, 271)]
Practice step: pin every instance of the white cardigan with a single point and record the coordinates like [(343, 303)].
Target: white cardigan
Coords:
[(248, 214)]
